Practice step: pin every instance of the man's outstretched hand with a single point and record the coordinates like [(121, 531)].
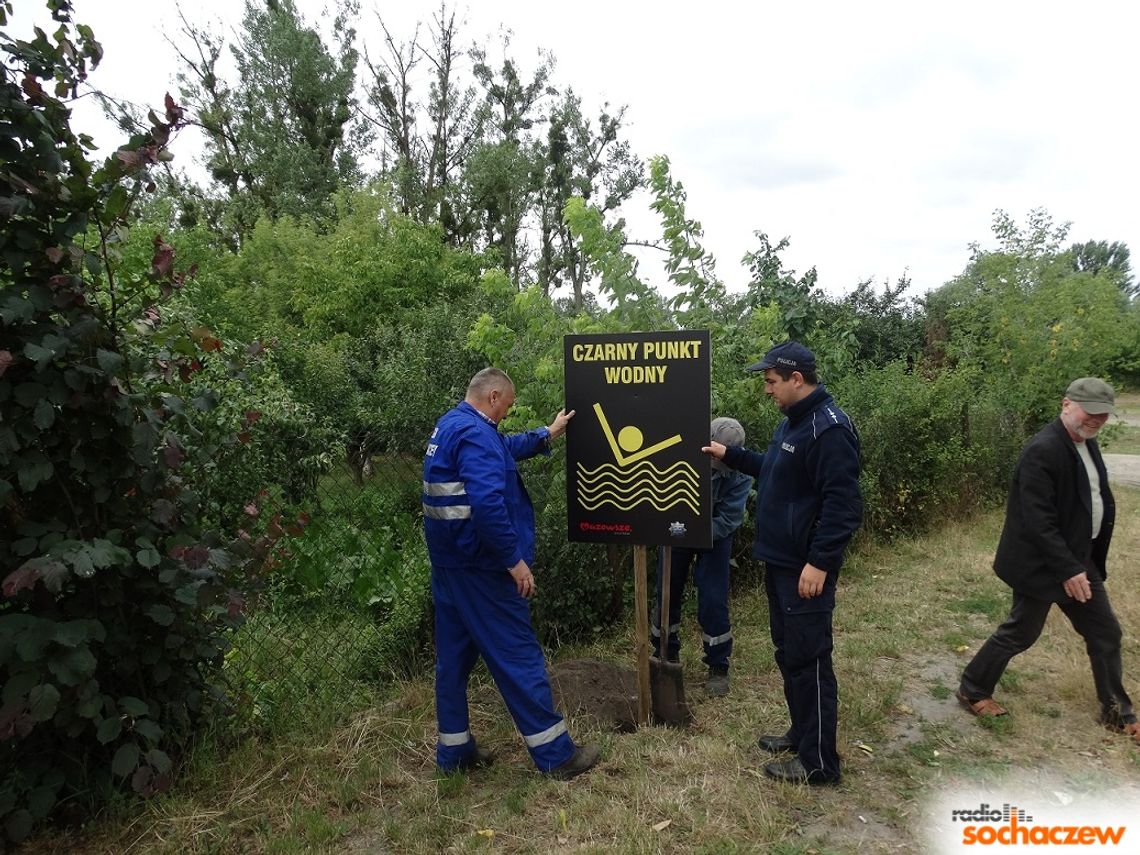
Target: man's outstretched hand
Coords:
[(558, 426)]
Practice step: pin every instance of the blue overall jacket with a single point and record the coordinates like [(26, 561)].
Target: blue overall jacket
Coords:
[(477, 513)]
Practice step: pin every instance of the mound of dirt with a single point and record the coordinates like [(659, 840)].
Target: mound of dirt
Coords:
[(602, 690)]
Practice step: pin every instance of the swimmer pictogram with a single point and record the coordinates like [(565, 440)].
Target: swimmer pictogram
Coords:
[(634, 479), (629, 439)]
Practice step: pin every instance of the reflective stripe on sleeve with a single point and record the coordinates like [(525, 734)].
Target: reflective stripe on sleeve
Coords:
[(445, 488), (453, 739), (548, 735), (450, 512)]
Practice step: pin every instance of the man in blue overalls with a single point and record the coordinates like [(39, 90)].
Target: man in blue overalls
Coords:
[(479, 526), (808, 505)]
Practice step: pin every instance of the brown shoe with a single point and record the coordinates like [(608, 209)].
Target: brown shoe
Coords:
[(982, 708), (1133, 729)]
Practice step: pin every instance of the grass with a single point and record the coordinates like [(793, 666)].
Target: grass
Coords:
[(1122, 435), (909, 617)]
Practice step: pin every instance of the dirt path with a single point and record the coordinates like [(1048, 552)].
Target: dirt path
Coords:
[(1123, 468)]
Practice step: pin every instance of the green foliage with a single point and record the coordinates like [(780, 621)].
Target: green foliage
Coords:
[(933, 445), (279, 140), (1096, 256), (1025, 319), (365, 318), (116, 603), (353, 551), (579, 161), (613, 269), (256, 440), (690, 268)]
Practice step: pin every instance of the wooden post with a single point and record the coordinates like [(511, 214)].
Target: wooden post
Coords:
[(641, 631)]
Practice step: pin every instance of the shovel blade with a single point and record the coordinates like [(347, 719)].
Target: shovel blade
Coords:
[(667, 688)]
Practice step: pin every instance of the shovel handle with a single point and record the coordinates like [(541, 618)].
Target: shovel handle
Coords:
[(666, 585)]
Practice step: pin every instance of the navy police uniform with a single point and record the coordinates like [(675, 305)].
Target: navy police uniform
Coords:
[(808, 505)]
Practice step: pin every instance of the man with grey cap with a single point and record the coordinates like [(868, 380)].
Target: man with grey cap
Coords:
[(1053, 549), (808, 506), (730, 491)]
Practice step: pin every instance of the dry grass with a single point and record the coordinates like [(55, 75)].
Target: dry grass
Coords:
[(909, 616)]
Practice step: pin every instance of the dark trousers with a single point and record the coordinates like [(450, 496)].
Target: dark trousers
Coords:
[(1093, 620), (801, 633), (711, 576)]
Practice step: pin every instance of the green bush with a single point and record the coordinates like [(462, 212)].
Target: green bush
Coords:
[(117, 604), (933, 446), (311, 654)]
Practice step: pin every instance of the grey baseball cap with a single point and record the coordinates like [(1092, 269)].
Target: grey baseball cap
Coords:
[(726, 431), (1093, 394)]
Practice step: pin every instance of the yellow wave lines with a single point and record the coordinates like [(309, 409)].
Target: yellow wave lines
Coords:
[(644, 484), (628, 504), (645, 470), (663, 491)]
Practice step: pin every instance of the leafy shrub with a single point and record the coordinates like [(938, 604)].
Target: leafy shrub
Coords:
[(933, 446), (308, 653), (259, 440), (116, 604)]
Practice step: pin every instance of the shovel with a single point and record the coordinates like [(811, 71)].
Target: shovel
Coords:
[(666, 679)]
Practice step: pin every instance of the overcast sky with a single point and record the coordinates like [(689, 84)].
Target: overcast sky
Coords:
[(879, 137)]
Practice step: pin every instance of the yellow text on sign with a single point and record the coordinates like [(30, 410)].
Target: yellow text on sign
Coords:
[(627, 351), (635, 373)]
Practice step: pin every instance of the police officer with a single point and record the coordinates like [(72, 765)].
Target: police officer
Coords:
[(808, 505), (479, 526)]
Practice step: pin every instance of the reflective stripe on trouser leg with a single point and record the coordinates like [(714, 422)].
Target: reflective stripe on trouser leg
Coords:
[(498, 619), (711, 576), (455, 656)]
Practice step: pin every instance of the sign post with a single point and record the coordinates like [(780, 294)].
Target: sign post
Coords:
[(635, 471)]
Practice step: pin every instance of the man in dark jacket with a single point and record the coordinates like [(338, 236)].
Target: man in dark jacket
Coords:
[(808, 505), (1053, 548), (479, 527)]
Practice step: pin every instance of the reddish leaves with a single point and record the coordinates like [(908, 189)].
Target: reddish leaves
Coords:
[(163, 260), (18, 580)]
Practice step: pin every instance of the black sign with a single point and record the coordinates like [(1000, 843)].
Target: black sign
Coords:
[(635, 470)]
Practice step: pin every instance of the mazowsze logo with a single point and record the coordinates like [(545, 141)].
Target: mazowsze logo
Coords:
[(1009, 825), (613, 528)]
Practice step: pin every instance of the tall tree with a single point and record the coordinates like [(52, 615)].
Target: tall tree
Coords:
[(504, 173), (278, 141), (423, 146), (580, 159), (1114, 259), (1021, 315)]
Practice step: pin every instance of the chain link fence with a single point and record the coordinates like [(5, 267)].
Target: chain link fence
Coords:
[(345, 603)]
